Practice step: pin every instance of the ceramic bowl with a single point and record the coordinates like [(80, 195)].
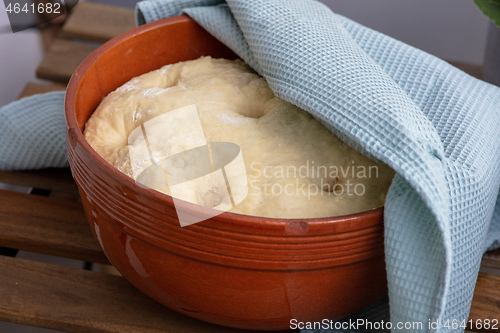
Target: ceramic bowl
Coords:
[(233, 270)]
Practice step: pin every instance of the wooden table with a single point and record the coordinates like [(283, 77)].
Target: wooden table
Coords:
[(47, 217)]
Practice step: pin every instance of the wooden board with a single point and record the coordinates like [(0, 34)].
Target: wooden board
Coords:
[(62, 59), (98, 22), (47, 225), (492, 259), (59, 182), (87, 21), (33, 88), (486, 303), (74, 300)]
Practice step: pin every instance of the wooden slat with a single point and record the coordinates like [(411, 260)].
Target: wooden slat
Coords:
[(486, 302), (97, 22), (492, 259), (59, 182), (47, 225), (48, 32), (33, 88), (73, 300), (62, 59)]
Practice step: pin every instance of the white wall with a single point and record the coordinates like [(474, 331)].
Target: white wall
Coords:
[(20, 54), (450, 29)]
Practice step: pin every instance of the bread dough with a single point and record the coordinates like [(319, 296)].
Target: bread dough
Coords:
[(295, 167)]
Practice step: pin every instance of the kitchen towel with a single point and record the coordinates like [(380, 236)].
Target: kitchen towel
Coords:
[(436, 126), (33, 133)]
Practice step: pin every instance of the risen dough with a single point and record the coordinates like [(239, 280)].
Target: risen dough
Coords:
[(295, 167)]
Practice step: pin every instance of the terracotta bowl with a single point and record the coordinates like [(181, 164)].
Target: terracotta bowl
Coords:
[(233, 270)]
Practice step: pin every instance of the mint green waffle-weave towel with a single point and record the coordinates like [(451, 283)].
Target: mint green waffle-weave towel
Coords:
[(436, 126), (32, 133)]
